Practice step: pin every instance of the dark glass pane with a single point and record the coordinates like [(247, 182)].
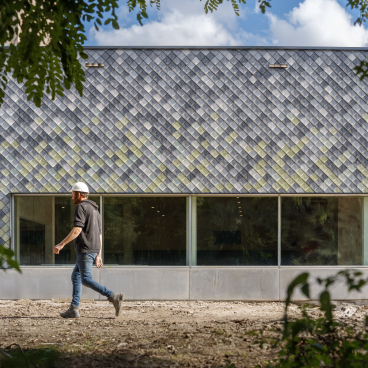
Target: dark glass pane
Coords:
[(322, 231), (64, 211), (34, 232), (236, 231), (32, 240), (144, 231), (64, 215)]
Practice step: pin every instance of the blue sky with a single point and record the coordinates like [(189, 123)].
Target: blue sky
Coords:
[(286, 23)]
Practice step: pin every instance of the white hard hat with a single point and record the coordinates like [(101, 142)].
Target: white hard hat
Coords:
[(80, 187)]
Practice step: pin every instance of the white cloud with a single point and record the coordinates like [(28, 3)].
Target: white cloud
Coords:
[(173, 30), (182, 23), (317, 23), (257, 10)]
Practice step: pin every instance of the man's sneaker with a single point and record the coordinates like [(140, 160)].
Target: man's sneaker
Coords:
[(72, 312), (116, 300)]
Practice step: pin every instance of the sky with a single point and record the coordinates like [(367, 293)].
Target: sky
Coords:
[(322, 23)]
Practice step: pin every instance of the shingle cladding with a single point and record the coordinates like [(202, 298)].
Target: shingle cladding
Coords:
[(193, 121)]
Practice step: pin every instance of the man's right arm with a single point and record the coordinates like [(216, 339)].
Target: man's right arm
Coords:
[(72, 235)]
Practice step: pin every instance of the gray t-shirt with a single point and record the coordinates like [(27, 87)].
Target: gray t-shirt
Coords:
[(87, 217)]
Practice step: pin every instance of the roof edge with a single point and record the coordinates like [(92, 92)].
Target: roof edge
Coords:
[(227, 48)]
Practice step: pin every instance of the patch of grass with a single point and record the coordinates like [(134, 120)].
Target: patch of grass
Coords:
[(229, 364), (27, 358), (251, 333)]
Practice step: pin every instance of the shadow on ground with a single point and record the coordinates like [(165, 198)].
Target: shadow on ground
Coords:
[(17, 357)]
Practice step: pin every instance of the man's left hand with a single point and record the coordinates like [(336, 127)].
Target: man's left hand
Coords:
[(98, 260)]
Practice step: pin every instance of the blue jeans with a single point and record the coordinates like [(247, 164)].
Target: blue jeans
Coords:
[(82, 275)]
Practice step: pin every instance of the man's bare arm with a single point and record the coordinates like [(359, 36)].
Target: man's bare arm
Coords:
[(99, 263), (72, 235)]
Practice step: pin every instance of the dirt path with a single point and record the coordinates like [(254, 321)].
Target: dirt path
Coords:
[(149, 334)]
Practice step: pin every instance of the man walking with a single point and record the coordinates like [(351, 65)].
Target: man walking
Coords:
[(88, 244)]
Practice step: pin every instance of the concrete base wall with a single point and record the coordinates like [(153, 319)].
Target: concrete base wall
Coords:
[(338, 290), (42, 283), (208, 283), (173, 283)]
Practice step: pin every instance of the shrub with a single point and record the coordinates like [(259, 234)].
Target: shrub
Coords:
[(321, 342)]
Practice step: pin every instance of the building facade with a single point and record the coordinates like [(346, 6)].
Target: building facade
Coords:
[(221, 173)]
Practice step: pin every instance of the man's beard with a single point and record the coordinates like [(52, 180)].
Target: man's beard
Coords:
[(77, 201)]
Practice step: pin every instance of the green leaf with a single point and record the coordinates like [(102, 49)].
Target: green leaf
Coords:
[(326, 306), (6, 256), (301, 279), (2, 351), (263, 4), (305, 289)]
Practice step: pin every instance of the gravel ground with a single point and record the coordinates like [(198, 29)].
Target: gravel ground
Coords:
[(154, 334)]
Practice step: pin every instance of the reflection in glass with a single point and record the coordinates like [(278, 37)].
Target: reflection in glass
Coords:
[(144, 231), (322, 231), (236, 231), (41, 222), (32, 239), (34, 233)]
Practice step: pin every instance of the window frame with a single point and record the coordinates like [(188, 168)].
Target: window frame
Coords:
[(191, 228), (101, 195)]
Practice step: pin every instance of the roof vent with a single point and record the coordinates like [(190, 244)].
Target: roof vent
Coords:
[(283, 66), (95, 65)]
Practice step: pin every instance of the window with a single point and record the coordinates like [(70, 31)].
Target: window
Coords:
[(41, 222), (237, 231), (144, 230), (323, 230), (225, 231), (34, 230)]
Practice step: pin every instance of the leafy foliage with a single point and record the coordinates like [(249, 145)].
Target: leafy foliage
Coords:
[(142, 13), (6, 258), (308, 342), (18, 358), (361, 70), (58, 26), (41, 42), (362, 6), (212, 5), (263, 4)]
